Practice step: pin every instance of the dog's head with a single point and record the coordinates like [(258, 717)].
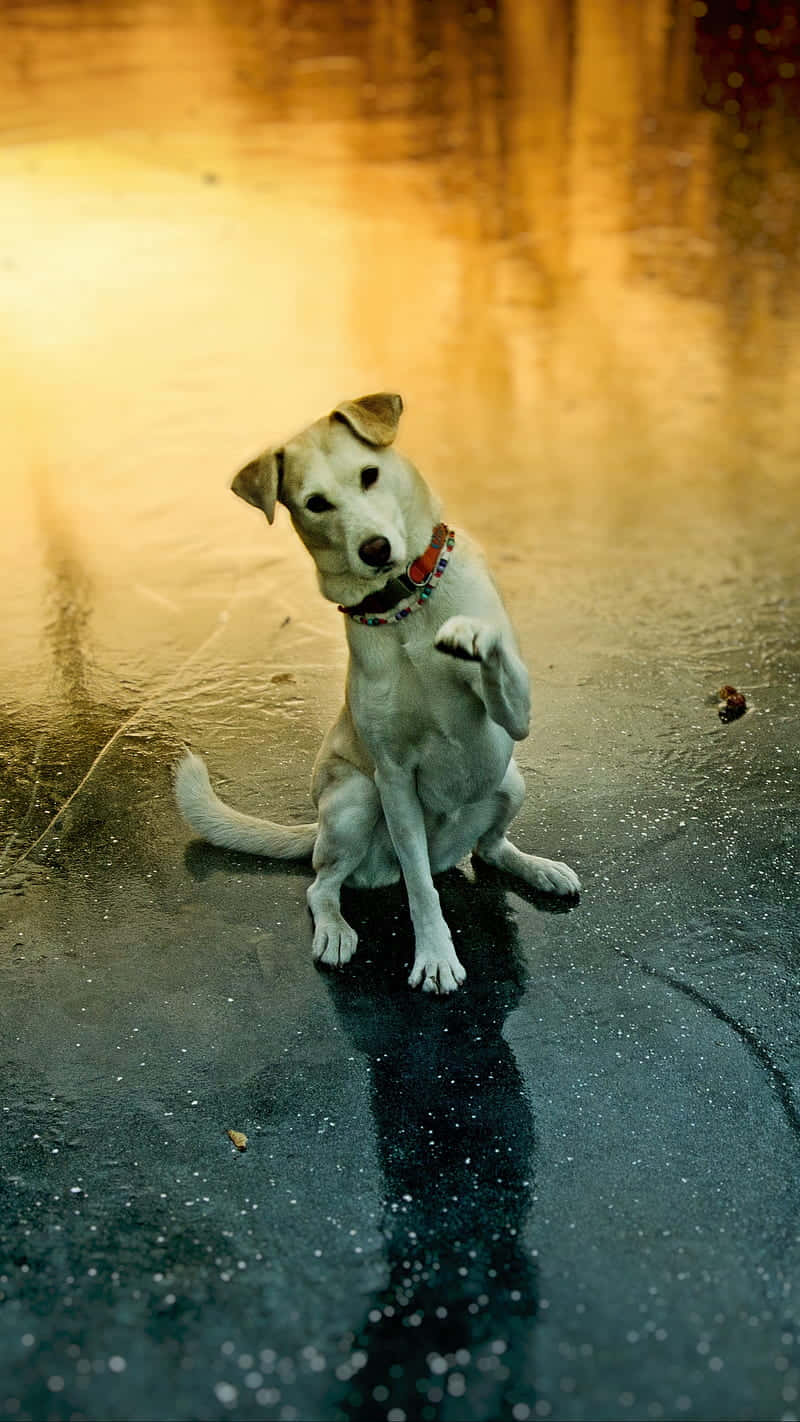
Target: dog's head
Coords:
[(361, 509)]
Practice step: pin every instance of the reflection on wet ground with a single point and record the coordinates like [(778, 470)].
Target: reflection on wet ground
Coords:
[(568, 234), (451, 1114)]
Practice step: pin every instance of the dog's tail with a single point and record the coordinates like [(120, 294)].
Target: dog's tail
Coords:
[(229, 828)]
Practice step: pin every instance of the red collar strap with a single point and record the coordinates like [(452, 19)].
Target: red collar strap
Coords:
[(420, 580), (421, 570)]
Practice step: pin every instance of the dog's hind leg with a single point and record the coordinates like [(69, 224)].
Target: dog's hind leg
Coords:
[(549, 876), (349, 808)]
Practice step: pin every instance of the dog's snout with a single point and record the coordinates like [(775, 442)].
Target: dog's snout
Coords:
[(375, 552)]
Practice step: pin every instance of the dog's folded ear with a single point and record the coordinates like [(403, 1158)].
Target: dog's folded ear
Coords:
[(258, 483), (373, 418)]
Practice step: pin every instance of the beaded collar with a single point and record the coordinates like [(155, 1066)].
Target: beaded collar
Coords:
[(421, 579)]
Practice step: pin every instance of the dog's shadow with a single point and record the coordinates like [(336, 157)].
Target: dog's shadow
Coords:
[(202, 860), (455, 1140)]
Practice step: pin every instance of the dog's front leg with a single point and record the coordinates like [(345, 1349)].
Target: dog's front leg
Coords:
[(505, 688), (436, 967)]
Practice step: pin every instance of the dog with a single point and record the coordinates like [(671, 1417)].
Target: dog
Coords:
[(418, 770)]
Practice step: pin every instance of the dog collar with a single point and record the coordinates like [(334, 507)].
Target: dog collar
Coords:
[(411, 589)]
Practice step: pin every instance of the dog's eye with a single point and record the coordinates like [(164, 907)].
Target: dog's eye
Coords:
[(318, 504), (369, 476)]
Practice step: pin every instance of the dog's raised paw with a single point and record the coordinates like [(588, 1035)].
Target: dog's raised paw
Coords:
[(466, 638)]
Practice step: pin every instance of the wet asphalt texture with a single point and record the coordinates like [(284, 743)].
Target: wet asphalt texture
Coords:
[(572, 1189)]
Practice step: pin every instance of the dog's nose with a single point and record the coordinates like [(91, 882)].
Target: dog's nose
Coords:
[(375, 552)]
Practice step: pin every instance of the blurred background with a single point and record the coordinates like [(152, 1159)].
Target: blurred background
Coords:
[(566, 232)]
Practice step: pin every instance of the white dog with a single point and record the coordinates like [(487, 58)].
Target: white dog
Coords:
[(417, 771)]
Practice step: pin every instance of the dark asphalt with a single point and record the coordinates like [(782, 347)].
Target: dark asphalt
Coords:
[(572, 1189)]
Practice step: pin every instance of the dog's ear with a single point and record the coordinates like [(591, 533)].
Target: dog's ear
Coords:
[(259, 482), (374, 418)]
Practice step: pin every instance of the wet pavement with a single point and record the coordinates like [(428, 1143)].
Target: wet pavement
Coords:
[(569, 236)]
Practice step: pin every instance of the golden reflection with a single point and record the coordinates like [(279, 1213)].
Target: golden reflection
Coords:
[(565, 233)]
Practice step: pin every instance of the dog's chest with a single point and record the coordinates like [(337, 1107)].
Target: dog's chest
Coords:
[(414, 700)]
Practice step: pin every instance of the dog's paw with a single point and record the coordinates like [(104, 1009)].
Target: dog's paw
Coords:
[(468, 638), (550, 876), (437, 972), (335, 942)]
